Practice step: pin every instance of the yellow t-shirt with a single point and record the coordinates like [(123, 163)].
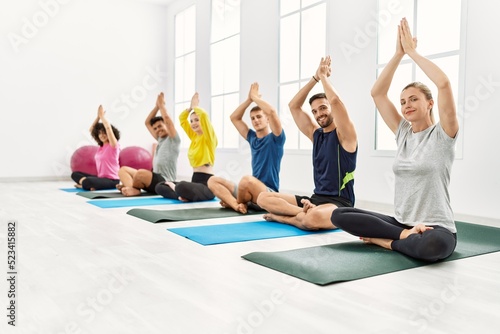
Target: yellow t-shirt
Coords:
[(202, 148)]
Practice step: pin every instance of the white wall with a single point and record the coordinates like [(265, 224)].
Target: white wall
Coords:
[(50, 93), (60, 60)]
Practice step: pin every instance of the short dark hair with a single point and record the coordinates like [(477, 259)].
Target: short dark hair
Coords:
[(317, 96), (155, 119), (100, 127), (256, 108)]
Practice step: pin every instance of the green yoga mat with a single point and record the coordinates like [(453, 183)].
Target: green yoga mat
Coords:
[(348, 261), (164, 216), (109, 194)]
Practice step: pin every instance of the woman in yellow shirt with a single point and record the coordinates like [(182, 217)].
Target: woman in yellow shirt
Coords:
[(201, 154)]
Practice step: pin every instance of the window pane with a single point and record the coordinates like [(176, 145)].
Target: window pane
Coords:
[(438, 26), (190, 29), (185, 25), (217, 68), (179, 34), (288, 6), (287, 92), (225, 18), (222, 107), (231, 135), (179, 107), (231, 64), (184, 78), (313, 39), (289, 48), (217, 118), (390, 14)]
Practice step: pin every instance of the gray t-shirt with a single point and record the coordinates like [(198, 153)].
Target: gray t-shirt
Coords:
[(422, 169), (165, 159)]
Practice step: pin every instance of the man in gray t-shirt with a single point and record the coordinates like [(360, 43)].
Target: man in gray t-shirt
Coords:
[(165, 158)]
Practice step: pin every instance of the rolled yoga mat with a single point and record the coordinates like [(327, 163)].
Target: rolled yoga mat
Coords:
[(237, 232), (354, 260), (165, 216)]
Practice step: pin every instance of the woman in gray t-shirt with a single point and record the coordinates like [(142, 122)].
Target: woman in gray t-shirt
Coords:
[(423, 226)]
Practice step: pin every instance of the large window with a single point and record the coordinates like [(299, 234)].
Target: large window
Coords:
[(302, 44), (437, 26), (185, 65), (225, 69)]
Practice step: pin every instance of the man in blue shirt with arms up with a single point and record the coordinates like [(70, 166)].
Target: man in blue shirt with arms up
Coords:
[(266, 144)]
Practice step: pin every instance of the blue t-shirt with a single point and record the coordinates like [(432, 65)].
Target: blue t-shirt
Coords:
[(333, 166), (266, 157)]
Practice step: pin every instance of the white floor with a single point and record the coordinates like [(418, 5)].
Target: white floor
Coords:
[(83, 269)]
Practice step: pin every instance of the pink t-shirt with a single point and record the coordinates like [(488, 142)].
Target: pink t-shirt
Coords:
[(107, 162)]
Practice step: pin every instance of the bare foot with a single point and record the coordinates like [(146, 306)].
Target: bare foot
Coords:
[(385, 243), (183, 199), (241, 208), (307, 205), (224, 205), (130, 191), (79, 186), (269, 217), (420, 228), (119, 186)]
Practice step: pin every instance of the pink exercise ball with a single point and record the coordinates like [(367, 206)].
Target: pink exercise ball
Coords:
[(136, 157), (83, 160)]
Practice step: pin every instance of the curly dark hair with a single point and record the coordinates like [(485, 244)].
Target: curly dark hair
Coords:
[(99, 127)]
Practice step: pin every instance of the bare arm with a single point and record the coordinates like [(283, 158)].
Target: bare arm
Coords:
[(381, 87), (237, 117), (160, 103), (304, 121), (151, 115), (109, 131), (446, 101), (269, 110), (345, 127)]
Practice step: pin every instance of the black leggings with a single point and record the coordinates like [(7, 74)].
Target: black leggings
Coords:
[(94, 182), (194, 191), (431, 245)]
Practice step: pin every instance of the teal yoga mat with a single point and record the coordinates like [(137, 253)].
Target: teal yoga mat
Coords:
[(110, 194), (136, 201), (237, 232), (355, 260), (164, 216), (72, 190)]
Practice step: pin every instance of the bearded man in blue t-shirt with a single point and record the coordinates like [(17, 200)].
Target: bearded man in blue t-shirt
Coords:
[(335, 148)]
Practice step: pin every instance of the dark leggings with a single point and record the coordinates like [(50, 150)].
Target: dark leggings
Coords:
[(194, 191), (431, 245), (94, 182)]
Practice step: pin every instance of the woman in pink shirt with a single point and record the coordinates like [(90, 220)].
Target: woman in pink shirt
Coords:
[(106, 158)]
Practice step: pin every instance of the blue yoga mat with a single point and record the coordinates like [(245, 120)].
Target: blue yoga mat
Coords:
[(72, 190), (139, 201), (227, 233)]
